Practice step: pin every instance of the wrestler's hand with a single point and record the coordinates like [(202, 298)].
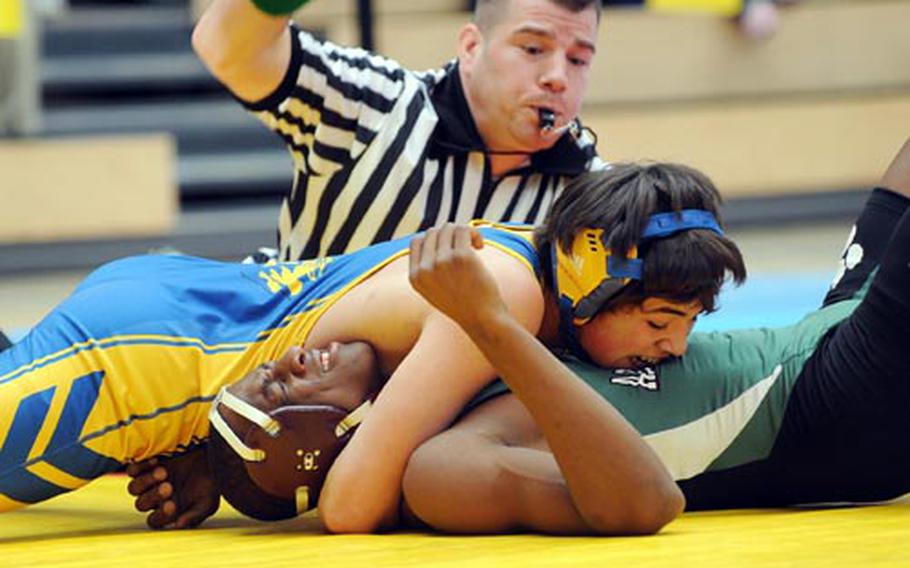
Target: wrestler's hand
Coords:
[(449, 274), (179, 491)]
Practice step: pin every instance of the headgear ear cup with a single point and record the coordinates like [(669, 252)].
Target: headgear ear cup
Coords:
[(583, 274), (286, 454), (589, 275), (298, 459)]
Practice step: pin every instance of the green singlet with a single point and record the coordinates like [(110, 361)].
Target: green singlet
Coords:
[(720, 405)]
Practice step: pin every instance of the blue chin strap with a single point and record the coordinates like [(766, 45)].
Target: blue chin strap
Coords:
[(589, 275)]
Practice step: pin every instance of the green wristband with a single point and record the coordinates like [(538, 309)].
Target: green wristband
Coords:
[(279, 7)]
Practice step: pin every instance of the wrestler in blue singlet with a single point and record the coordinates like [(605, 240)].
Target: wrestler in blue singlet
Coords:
[(127, 366)]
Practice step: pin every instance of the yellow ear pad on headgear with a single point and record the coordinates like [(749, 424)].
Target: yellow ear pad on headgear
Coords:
[(583, 276)]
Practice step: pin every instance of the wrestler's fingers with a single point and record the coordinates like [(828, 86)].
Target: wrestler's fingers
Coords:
[(154, 497), (140, 483), (428, 254), (446, 241), (162, 516), (194, 516), (467, 238), (414, 251), (476, 238), (137, 468)]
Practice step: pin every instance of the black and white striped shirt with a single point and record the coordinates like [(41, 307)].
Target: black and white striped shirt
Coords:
[(381, 151)]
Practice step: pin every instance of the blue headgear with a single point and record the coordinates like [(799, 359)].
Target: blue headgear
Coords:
[(589, 275)]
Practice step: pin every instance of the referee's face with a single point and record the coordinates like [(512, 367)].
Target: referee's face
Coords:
[(534, 56)]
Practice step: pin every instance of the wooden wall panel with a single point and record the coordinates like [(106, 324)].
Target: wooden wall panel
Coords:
[(788, 146), (86, 188)]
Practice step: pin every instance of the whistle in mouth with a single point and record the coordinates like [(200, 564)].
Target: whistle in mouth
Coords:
[(547, 119)]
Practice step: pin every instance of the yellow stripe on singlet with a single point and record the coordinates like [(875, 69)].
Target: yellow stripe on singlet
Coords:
[(51, 420), (58, 477), (524, 232), (119, 339), (513, 253), (6, 421), (7, 504), (152, 378)]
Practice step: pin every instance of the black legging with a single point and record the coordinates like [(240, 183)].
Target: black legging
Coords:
[(845, 435)]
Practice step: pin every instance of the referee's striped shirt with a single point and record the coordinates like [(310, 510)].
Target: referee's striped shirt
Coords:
[(381, 151)]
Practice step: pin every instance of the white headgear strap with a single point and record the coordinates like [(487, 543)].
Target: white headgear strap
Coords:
[(248, 411)]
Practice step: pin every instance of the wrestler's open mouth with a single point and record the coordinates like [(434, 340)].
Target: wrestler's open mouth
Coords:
[(323, 358), (326, 358), (640, 362)]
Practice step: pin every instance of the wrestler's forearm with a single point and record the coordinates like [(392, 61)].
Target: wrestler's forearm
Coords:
[(246, 49), (617, 482), (442, 371), (897, 176)]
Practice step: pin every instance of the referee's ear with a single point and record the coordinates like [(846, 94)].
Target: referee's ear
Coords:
[(470, 46)]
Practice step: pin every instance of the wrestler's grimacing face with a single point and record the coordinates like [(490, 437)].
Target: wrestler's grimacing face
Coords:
[(341, 374), (638, 335)]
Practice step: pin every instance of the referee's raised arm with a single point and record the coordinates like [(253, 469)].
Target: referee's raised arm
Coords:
[(244, 47), (381, 151)]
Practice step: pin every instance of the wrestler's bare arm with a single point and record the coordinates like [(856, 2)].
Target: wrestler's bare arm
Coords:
[(243, 47), (433, 382), (897, 176), (615, 481)]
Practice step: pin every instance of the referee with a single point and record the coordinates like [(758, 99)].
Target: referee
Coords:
[(381, 151)]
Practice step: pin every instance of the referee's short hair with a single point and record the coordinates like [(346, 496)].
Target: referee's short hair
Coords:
[(487, 12)]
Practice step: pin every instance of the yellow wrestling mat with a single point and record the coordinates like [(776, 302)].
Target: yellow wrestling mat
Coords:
[(97, 526)]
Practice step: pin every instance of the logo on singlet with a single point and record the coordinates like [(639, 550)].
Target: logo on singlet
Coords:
[(850, 258), (291, 276), (645, 378)]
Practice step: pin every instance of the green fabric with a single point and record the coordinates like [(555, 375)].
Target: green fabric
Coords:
[(279, 7), (721, 404)]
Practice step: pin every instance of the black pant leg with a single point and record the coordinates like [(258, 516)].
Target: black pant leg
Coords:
[(845, 435), (867, 243)]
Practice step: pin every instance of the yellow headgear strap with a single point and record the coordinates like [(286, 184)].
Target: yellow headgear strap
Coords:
[(584, 270)]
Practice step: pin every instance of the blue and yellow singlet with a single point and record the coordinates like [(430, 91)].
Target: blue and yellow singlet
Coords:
[(127, 366)]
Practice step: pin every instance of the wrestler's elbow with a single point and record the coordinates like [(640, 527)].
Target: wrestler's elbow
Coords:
[(339, 518), (665, 502), (206, 45), (643, 511), (349, 508), (215, 46)]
